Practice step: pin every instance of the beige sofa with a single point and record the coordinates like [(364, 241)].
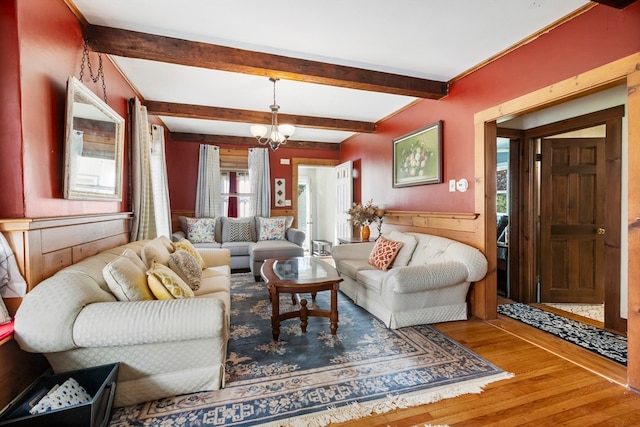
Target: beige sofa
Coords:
[(250, 251), (165, 347), (427, 283)]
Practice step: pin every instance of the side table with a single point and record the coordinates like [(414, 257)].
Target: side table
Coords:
[(320, 248), (345, 240)]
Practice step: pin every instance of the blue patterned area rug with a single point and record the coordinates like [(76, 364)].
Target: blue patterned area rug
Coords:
[(317, 378), (604, 343)]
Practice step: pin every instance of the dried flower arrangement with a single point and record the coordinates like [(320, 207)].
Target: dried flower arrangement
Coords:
[(364, 214)]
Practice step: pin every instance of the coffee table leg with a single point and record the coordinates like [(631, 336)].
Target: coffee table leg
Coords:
[(334, 311), (303, 315), (275, 313)]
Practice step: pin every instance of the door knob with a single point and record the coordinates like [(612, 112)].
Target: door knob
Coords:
[(600, 230)]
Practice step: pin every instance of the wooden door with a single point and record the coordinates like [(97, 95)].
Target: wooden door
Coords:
[(572, 220)]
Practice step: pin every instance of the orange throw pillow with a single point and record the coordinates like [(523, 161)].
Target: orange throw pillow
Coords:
[(384, 253)]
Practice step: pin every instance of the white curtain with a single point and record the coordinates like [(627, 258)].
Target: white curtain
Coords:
[(150, 190), (260, 181), (160, 183), (143, 226), (208, 191)]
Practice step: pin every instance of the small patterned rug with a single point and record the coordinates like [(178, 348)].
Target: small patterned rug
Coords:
[(604, 343), (317, 378)]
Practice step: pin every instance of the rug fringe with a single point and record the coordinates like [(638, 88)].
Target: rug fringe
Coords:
[(356, 410)]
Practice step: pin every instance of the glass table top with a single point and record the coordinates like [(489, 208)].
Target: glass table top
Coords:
[(303, 269)]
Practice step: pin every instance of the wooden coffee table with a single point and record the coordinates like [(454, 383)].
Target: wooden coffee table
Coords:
[(300, 275)]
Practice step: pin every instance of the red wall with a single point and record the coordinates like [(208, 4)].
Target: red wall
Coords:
[(11, 200), (48, 51), (182, 169), (595, 38)]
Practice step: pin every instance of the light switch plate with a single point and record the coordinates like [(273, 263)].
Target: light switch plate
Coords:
[(287, 202), (452, 185), (285, 161)]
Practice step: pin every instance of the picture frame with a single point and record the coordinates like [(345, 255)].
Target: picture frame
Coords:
[(417, 157)]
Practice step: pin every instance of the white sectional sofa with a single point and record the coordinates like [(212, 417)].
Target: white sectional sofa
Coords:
[(250, 240), (165, 347), (427, 283)]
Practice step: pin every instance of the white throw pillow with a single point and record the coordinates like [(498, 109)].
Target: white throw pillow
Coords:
[(126, 280), (409, 244)]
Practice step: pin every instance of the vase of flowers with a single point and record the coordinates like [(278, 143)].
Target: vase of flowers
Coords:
[(363, 215)]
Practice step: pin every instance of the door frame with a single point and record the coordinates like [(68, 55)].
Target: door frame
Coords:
[(302, 161), (622, 71), (612, 119), (516, 138)]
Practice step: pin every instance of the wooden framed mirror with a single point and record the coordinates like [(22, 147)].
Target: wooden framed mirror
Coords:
[(94, 143)]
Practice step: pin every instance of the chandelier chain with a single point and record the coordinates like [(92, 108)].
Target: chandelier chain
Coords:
[(94, 77)]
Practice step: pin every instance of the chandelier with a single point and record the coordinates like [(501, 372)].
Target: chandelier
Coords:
[(278, 134)]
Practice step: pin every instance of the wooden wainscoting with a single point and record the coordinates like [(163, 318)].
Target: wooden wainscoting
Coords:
[(43, 246), (455, 226)]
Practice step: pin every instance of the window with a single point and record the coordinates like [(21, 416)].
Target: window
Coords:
[(234, 179), (236, 193), (502, 183)]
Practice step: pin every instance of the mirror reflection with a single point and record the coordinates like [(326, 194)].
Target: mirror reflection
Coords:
[(94, 139)]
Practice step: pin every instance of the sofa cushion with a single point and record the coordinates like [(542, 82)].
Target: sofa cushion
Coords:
[(408, 245), (274, 249), (384, 253), (166, 284), (213, 283), (217, 271), (271, 228), (186, 245), (127, 279), (201, 230), (371, 279), (351, 267), (187, 267), (155, 250), (237, 248), (236, 229)]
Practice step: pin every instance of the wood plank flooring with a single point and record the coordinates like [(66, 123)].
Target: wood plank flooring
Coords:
[(555, 383)]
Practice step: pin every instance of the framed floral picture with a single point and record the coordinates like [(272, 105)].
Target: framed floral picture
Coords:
[(417, 157)]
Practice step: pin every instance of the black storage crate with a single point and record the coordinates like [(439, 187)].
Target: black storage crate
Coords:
[(99, 382)]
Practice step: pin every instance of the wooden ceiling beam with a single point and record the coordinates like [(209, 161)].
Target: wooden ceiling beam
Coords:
[(133, 44), (618, 4), (161, 108), (246, 141)]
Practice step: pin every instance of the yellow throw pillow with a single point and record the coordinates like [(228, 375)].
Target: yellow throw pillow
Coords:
[(165, 284), (186, 245)]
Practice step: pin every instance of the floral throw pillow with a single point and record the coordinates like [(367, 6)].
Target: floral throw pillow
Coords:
[(384, 253), (271, 228), (201, 230)]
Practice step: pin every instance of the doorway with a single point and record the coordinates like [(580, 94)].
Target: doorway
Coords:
[(312, 180), (571, 250)]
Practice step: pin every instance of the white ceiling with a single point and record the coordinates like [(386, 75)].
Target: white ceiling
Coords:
[(431, 39)]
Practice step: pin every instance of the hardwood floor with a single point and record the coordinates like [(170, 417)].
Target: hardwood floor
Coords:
[(555, 383)]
